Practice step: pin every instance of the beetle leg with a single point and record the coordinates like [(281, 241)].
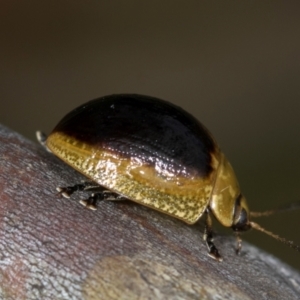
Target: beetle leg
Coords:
[(100, 193), (208, 238), (238, 243), (111, 196), (84, 186), (91, 202), (92, 186), (69, 190)]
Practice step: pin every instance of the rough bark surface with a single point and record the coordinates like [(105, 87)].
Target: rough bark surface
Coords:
[(53, 248)]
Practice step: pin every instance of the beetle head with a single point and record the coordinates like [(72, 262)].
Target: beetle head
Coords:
[(241, 220)]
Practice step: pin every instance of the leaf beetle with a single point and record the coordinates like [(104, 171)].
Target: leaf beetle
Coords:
[(156, 154)]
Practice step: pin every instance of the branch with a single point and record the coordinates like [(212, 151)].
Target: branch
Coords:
[(53, 248)]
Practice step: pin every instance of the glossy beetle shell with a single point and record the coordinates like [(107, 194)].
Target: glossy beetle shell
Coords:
[(150, 151)]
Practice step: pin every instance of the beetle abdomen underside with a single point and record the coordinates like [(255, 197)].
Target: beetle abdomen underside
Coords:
[(150, 151)]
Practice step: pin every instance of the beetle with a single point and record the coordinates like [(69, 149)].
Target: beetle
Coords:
[(156, 154)]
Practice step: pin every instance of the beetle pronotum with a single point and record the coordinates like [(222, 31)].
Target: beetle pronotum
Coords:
[(154, 153)]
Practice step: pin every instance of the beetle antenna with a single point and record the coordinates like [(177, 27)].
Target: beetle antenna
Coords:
[(292, 206), (275, 236)]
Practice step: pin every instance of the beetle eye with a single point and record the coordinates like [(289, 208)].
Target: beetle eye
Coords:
[(242, 223), (241, 216)]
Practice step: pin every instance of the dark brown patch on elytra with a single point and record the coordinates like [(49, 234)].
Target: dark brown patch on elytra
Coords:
[(150, 130)]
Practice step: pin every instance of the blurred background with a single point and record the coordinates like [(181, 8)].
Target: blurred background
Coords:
[(235, 65)]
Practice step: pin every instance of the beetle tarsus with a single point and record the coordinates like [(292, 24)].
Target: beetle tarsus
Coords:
[(91, 202), (238, 244), (214, 253), (69, 190), (208, 238), (212, 250)]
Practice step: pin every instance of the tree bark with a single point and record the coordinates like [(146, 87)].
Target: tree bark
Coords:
[(54, 248)]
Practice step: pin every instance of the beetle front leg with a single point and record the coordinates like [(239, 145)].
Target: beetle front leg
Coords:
[(238, 244), (208, 238)]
